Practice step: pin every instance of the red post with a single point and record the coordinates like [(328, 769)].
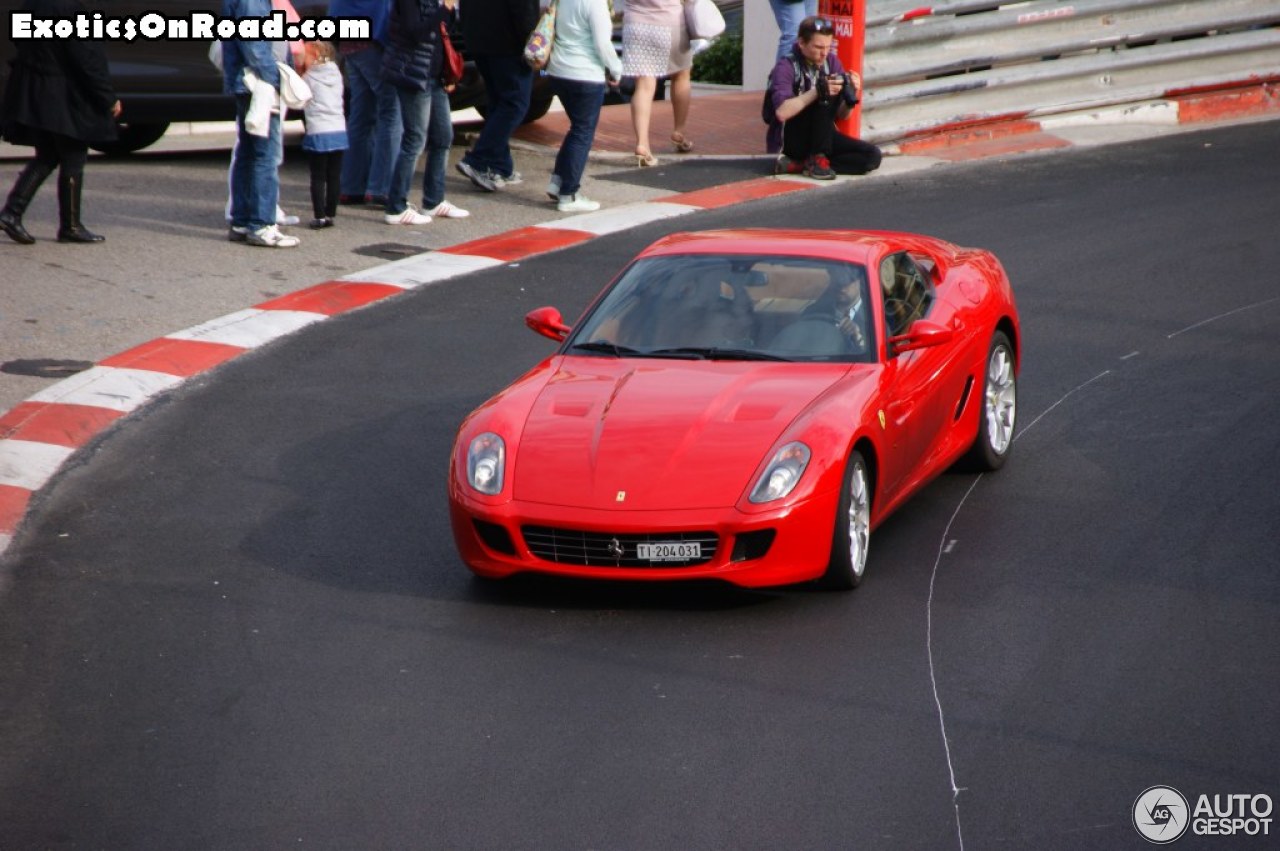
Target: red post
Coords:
[(850, 20)]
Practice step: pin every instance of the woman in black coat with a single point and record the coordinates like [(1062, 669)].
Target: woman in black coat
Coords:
[(59, 99)]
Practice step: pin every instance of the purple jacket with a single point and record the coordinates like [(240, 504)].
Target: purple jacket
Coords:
[(782, 79)]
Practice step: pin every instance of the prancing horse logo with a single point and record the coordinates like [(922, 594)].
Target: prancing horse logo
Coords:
[(616, 549)]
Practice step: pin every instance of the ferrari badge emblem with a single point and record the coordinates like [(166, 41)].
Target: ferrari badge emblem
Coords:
[(881, 419), (622, 496), (616, 549)]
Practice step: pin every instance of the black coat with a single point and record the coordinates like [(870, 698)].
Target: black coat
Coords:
[(498, 27), (60, 86), (413, 55)]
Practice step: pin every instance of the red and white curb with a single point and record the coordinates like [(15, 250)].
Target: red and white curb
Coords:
[(1015, 134), (40, 434)]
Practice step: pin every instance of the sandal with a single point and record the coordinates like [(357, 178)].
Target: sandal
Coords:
[(683, 145), (645, 159)]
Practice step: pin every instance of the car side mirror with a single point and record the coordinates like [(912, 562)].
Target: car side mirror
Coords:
[(548, 322), (922, 334)]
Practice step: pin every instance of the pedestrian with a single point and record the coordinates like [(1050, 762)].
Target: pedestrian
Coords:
[(788, 14), (326, 131), (582, 63), (373, 122), (287, 52), (412, 66), (809, 91), (495, 32), (439, 141), (59, 99), (655, 43), (255, 178)]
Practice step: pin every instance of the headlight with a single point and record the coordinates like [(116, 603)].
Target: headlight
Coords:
[(486, 460), (780, 477)]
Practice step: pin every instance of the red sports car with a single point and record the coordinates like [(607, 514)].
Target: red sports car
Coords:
[(741, 405)]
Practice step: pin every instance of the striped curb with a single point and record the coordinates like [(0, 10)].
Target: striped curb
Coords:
[(40, 434), (1025, 133)]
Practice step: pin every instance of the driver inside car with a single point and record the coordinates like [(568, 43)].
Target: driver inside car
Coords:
[(842, 304)]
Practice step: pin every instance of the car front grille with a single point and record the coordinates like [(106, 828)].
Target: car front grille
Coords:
[(605, 549)]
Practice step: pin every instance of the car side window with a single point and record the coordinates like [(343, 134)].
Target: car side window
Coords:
[(908, 293)]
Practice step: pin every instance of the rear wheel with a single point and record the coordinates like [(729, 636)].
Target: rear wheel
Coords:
[(132, 137), (852, 529), (999, 407)]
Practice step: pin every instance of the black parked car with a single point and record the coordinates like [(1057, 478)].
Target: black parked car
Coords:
[(160, 82)]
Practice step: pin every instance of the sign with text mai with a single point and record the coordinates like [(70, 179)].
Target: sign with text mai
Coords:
[(849, 19)]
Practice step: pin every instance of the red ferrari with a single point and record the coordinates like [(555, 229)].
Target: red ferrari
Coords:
[(741, 405)]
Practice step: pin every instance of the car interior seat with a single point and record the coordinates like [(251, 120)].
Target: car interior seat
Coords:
[(702, 308)]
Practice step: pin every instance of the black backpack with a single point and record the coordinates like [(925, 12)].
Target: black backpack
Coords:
[(767, 111)]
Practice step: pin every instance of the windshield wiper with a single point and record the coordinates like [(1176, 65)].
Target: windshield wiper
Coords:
[(604, 347), (716, 353)]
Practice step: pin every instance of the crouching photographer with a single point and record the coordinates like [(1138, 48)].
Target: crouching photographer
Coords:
[(809, 91)]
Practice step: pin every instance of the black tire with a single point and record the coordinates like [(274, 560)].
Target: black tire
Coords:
[(538, 107), (997, 408), (852, 533), (132, 137)]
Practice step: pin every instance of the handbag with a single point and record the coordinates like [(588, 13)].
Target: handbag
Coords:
[(451, 70), (703, 19), (537, 50)]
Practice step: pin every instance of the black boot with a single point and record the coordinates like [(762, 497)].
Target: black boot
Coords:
[(70, 229), (24, 189)]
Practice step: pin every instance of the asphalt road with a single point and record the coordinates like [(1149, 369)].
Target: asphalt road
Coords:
[(238, 620)]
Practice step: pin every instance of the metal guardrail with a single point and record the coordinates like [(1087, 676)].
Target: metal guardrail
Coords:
[(965, 61)]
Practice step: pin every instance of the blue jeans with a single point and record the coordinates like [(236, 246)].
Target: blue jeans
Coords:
[(255, 178), (581, 101), (439, 139), (373, 127), (508, 84), (789, 16), (415, 114)]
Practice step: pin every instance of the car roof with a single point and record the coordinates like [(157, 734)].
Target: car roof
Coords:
[(858, 246)]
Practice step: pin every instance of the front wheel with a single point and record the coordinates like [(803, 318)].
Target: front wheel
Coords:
[(999, 407), (852, 529)]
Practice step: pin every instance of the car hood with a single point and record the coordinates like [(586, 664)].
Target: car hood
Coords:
[(633, 434)]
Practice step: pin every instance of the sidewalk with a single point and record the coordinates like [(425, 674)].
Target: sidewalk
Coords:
[(721, 123)]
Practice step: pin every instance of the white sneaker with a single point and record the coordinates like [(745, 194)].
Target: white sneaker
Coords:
[(513, 179), (445, 210), (410, 216), (553, 187), (577, 204), (271, 237), (283, 218)]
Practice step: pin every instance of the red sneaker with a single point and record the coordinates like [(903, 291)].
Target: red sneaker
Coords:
[(786, 165), (819, 168)]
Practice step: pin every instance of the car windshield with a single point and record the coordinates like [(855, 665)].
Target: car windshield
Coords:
[(733, 307)]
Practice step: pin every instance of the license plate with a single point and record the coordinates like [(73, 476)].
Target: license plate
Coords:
[(669, 551)]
